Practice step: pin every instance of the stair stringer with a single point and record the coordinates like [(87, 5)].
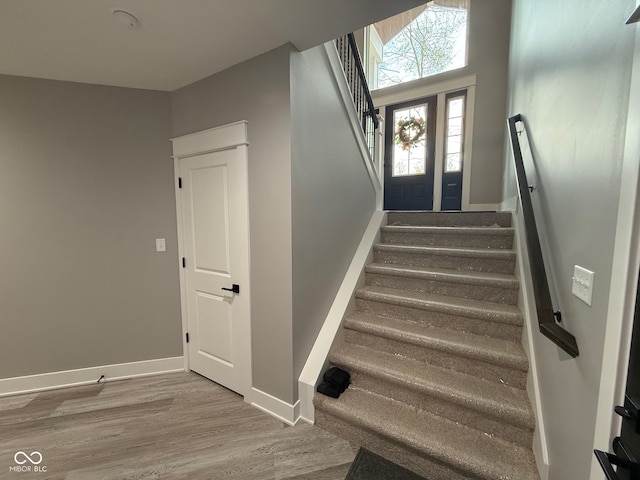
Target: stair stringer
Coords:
[(526, 303), (330, 335)]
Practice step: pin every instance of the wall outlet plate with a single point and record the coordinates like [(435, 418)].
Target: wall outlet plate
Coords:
[(161, 245), (582, 284)]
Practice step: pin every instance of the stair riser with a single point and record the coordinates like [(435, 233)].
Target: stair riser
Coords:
[(446, 219), (486, 293), (479, 368), (404, 456), (448, 240), (437, 319), (444, 407), (474, 264)]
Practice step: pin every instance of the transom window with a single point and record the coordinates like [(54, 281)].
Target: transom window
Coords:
[(423, 41)]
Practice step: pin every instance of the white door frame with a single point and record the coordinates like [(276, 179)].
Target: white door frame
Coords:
[(233, 135), (624, 277)]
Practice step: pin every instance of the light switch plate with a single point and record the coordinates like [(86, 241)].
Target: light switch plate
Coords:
[(161, 245), (582, 284)]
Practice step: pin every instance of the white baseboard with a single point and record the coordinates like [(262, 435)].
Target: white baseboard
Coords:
[(510, 204), (527, 306), (317, 361), (86, 376), (483, 207), (289, 414)]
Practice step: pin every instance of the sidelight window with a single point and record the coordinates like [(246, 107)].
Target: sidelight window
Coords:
[(454, 134)]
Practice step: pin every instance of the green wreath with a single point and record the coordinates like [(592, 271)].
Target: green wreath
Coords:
[(409, 132)]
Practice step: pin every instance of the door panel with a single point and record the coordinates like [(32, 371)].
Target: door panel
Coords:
[(452, 191), (215, 237), (214, 327), (210, 218), (410, 155), (626, 447)]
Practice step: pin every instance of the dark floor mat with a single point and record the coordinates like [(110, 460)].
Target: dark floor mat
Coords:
[(369, 466)]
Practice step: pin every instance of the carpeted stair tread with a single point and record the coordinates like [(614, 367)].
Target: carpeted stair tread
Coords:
[(502, 219), (465, 449), (490, 311), (501, 280), (483, 237), (509, 404), (488, 253), (495, 230), (487, 349)]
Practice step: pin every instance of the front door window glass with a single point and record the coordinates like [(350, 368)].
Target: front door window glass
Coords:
[(410, 141)]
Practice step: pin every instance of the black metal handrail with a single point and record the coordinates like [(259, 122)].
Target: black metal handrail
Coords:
[(354, 73), (546, 314)]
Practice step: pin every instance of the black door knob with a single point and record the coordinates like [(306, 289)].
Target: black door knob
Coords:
[(235, 288)]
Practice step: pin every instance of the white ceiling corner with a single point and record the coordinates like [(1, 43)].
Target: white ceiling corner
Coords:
[(178, 41)]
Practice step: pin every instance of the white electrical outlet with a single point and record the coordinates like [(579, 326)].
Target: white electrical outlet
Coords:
[(582, 284), (161, 245)]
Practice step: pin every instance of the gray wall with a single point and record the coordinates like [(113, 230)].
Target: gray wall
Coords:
[(332, 196), (570, 76), (86, 185), (488, 53), (258, 91)]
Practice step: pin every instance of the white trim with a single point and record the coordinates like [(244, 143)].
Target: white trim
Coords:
[(210, 140), (342, 86), (383, 98), (379, 154), (624, 278), (482, 207), (527, 306), (317, 359), (510, 204), (289, 414), (87, 376), (233, 135), (181, 272), (438, 168)]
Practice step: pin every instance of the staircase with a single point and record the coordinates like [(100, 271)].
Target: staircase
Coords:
[(434, 351)]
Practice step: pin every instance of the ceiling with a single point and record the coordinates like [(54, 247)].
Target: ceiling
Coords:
[(178, 41)]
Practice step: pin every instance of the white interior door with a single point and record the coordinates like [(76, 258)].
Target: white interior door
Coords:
[(215, 264)]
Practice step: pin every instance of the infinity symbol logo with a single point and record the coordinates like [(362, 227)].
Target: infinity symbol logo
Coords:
[(35, 458)]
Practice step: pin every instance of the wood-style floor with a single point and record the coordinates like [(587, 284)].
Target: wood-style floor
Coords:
[(175, 426)]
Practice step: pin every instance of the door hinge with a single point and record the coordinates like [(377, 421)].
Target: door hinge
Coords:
[(184, 262), (187, 335), (179, 182)]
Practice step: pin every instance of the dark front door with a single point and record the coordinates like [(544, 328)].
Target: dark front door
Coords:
[(626, 447), (410, 155)]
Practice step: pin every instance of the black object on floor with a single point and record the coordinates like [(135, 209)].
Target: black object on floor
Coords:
[(338, 378), (329, 390), (369, 466)]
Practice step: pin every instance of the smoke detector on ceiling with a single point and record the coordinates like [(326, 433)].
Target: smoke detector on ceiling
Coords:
[(126, 19)]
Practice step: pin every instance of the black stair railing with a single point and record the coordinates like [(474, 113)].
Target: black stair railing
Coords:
[(354, 73), (547, 316)]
